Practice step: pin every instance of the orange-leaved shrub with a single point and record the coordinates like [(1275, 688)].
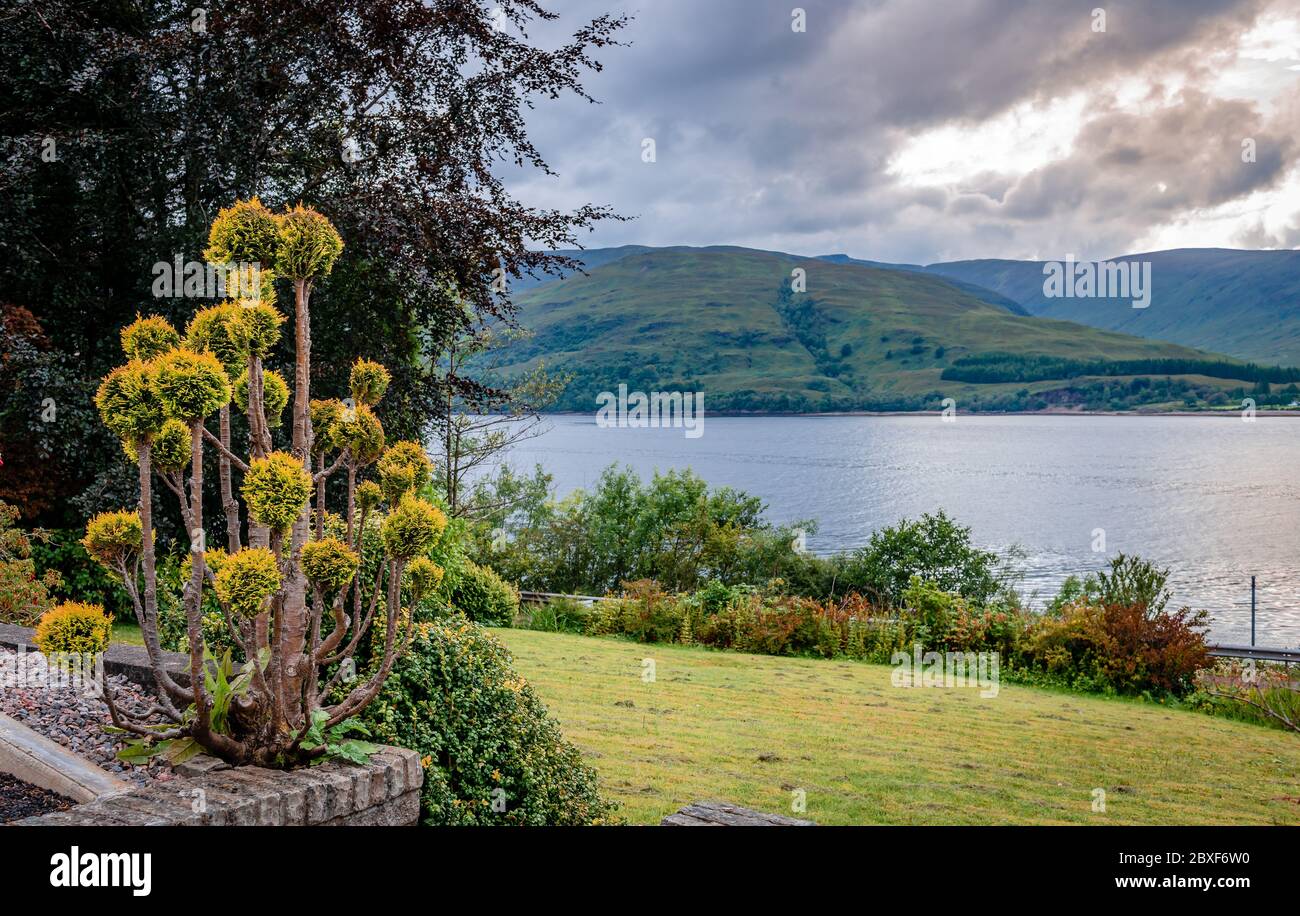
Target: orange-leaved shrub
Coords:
[(1124, 648)]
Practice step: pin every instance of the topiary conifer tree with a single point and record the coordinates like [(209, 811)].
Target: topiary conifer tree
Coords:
[(292, 597)]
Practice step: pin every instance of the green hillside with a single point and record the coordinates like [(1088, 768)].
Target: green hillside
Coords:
[(1243, 303), (724, 321)]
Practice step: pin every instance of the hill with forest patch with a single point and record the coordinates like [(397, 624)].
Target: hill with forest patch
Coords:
[(726, 321)]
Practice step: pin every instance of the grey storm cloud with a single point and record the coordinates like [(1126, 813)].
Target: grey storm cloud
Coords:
[(1122, 160), (774, 139)]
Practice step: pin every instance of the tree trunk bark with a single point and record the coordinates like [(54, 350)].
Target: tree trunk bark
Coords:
[(291, 630), (149, 626), (228, 501), (193, 597)]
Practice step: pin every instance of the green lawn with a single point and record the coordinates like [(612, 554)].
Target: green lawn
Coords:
[(752, 729), (127, 631)]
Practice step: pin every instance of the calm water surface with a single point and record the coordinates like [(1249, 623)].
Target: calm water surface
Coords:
[(1214, 498)]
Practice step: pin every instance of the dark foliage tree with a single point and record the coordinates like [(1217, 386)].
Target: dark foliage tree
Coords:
[(126, 125)]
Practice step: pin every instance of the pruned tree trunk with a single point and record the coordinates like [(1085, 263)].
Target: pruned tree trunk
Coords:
[(228, 501), (292, 632)]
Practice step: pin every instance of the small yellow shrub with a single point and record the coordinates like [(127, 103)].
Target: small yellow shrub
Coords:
[(74, 627)]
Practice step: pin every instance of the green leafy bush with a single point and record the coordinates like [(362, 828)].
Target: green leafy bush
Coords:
[(559, 615), (933, 548), (1260, 692), (483, 596), (747, 620), (672, 528), (945, 620), (676, 530), (646, 613), (491, 753), (716, 595), (1127, 580), (24, 595)]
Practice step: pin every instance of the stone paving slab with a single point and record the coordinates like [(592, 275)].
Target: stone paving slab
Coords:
[(35, 759), (722, 814)]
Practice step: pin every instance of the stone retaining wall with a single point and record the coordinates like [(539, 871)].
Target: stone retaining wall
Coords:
[(383, 793)]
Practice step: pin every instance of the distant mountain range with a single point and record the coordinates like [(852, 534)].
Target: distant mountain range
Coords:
[(867, 335), (1243, 303)]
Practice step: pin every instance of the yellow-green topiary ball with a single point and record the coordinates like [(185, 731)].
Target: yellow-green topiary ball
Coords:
[(369, 495), (263, 320), (276, 488), (368, 382), (249, 284), (275, 391), (309, 244), (74, 627), (190, 385), (412, 527), (358, 430), (325, 417), (396, 481), (329, 564), (421, 577), (247, 579), (222, 331), (145, 338), (404, 467), (170, 447), (114, 538), (128, 403), (171, 450), (245, 232)]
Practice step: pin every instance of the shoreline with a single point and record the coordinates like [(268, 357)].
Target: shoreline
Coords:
[(1233, 414)]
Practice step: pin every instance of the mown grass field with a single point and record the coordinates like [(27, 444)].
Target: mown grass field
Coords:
[(752, 729), (127, 631)]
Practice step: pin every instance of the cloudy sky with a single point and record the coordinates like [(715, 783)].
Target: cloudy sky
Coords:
[(928, 130)]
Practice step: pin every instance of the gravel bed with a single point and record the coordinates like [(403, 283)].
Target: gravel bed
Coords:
[(19, 799), (49, 703)]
